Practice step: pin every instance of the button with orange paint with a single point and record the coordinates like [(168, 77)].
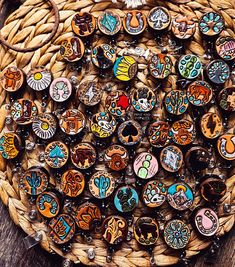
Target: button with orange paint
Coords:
[(72, 49), (12, 79), (48, 204), (134, 22), (10, 145), (83, 24), (226, 146), (56, 154), (171, 158), (183, 27), (160, 66), (211, 125), (118, 103)]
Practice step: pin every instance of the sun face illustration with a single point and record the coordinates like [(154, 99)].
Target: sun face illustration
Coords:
[(39, 79)]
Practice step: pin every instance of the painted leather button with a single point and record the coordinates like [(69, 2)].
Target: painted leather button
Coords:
[(48, 204), (190, 66), (171, 158), (87, 216), (199, 93), (39, 78), (159, 133), (159, 18), (126, 199), (103, 124), (103, 56), (134, 22), (114, 229), (60, 89), (118, 103), (130, 133), (176, 234), (225, 47), (23, 111), (89, 93), (125, 68), (145, 165), (226, 99), (218, 71), (101, 184), (226, 146), (213, 189), (72, 121), (146, 231), (10, 145), (12, 79), (143, 99), (83, 155), (211, 24), (72, 183), (183, 132), (206, 221), (62, 228), (197, 158), (176, 102), (56, 154), (211, 125), (83, 24), (183, 27), (180, 196), (160, 66), (34, 181), (44, 126), (72, 49), (154, 194), (116, 157), (109, 22)]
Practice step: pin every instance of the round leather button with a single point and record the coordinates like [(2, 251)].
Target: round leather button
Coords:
[(176, 234), (60, 89), (218, 71), (146, 231), (171, 158), (199, 93), (126, 199), (125, 68), (225, 47), (12, 79), (130, 133), (154, 194), (101, 184), (83, 155), (226, 146), (44, 125), (48, 204), (226, 99), (10, 145), (118, 103), (56, 154), (206, 221), (72, 49), (23, 111), (134, 22), (160, 66), (114, 229), (176, 102), (143, 99), (145, 165), (190, 66), (211, 24), (34, 181), (72, 183), (109, 22), (180, 196), (89, 93), (103, 56), (39, 78), (62, 228), (72, 121), (159, 18), (83, 24), (211, 125), (213, 189), (197, 159), (116, 157), (183, 27)]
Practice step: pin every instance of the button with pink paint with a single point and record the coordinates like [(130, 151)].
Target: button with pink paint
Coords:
[(60, 89)]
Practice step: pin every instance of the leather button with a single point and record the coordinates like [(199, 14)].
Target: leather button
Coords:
[(130, 133), (218, 71), (56, 154), (134, 22), (171, 158), (225, 47), (72, 49), (176, 102), (103, 56), (183, 27), (125, 68), (39, 78), (226, 146), (146, 231), (226, 99), (62, 228), (60, 89), (189, 66), (44, 126), (176, 234), (10, 145), (12, 79), (211, 24), (83, 24), (160, 66), (34, 181), (89, 93), (213, 189), (48, 204), (211, 125), (114, 229), (143, 99), (159, 18), (109, 22), (72, 183)]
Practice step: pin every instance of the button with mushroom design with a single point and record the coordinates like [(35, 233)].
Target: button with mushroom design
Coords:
[(211, 125), (56, 154), (160, 66), (39, 78), (218, 71), (226, 99), (130, 133), (89, 93), (189, 66), (12, 79), (60, 89), (143, 99), (109, 22), (134, 22), (72, 49), (118, 103), (10, 145), (159, 18), (171, 158), (125, 68), (211, 24), (226, 146), (83, 24), (183, 27), (48, 204), (176, 102), (225, 47), (103, 56)]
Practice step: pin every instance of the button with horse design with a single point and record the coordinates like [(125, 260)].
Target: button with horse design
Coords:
[(183, 27), (189, 66), (159, 18), (39, 78), (143, 99), (171, 158), (160, 66), (130, 133), (226, 146), (211, 24), (225, 47), (218, 71), (83, 24), (12, 79), (125, 68), (226, 99), (176, 102), (72, 49), (48, 204), (103, 56), (89, 93), (60, 89), (134, 22), (109, 22), (56, 154), (211, 125), (10, 145)]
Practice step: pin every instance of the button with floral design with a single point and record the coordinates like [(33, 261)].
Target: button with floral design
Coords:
[(211, 24), (160, 66), (130, 133), (103, 56), (39, 78), (48, 204), (171, 158), (134, 22), (211, 125), (83, 24), (72, 49), (10, 145), (218, 71), (125, 68), (44, 125), (12, 79), (159, 18), (118, 103), (56, 154), (183, 27), (109, 22)]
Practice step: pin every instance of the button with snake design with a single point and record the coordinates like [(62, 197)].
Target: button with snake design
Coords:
[(171, 158), (89, 93), (211, 24), (226, 99), (159, 18), (109, 22), (160, 66), (60, 89), (48, 204), (116, 157), (56, 154), (39, 78), (44, 125), (225, 47), (190, 66), (130, 133), (134, 22), (10, 145), (211, 125), (143, 99), (72, 49), (125, 68), (12, 79), (218, 71), (226, 146), (176, 102), (83, 24), (183, 27), (103, 56)]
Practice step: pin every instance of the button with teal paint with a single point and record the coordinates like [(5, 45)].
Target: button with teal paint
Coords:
[(190, 66)]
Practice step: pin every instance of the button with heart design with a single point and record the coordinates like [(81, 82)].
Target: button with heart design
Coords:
[(83, 24), (218, 71), (48, 204), (10, 145), (211, 24), (56, 154), (159, 18), (125, 68), (160, 66), (89, 93), (72, 183), (72, 49), (44, 125), (103, 56), (211, 125), (12, 79), (225, 47), (109, 22), (171, 158), (143, 99), (130, 133), (39, 78), (134, 22), (116, 157), (60, 89), (183, 27), (226, 99), (190, 66), (176, 102), (226, 146)]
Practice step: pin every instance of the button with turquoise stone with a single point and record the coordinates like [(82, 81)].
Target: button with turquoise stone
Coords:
[(211, 24), (103, 56), (190, 66), (56, 154), (218, 71), (143, 99), (176, 102), (109, 22)]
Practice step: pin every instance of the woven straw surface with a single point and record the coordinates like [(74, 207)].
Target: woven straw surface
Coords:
[(31, 24)]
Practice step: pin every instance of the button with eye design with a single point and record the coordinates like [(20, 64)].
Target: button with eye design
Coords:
[(226, 99), (160, 66), (183, 27), (211, 125), (39, 78), (12, 79), (48, 204), (109, 22), (72, 49), (226, 146), (211, 24), (83, 24), (159, 18), (10, 145), (218, 71), (143, 99), (125, 68), (89, 93), (213, 189), (103, 56), (171, 158), (176, 102), (225, 47), (60, 89), (130, 133), (56, 154), (134, 22), (190, 66)]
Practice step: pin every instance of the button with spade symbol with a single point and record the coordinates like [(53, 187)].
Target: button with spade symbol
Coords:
[(159, 18), (134, 22), (211, 125), (103, 56), (48, 204), (89, 93), (109, 22), (130, 133), (56, 154)]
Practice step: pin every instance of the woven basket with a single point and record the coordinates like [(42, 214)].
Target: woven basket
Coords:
[(31, 24)]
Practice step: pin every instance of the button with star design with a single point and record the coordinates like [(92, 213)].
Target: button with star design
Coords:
[(60, 89), (190, 66), (125, 68), (56, 154), (109, 22), (159, 18), (211, 125), (183, 27), (10, 145), (103, 56), (218, 71), (72, 49), (89, 93), (226, 146), (211, 24), (12, 79), (39, 78), (130, 133), (134, 22), (160, 66), (171, 158), (176, 102), (226, 99), (83, 24), (225, 47), (143, 99), (48, 204)]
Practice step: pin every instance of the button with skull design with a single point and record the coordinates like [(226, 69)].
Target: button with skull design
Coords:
[(225, 47), (10, 145), (176, 102), (226, 146), (109, 22), (211, 125), (134, 22), (83, 24), (226, 99), (12, 79), (183, 27), (103, 56), (125, 68), (48, 204), (72, 49), (60, 89), (143, 99), (56, 154), (116, 157), (171, 158), (160, 66), (159, 18), (89, 93), (130, 133)]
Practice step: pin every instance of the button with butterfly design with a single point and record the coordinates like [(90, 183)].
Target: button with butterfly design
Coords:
[(218, 71), (125, 68), (83, 24), (143, 99), (12, 79), (211, 24), (171, 158), (134, 22), (159, 18), (160, 66), (130, 133), (226, 99), (103, 56), (56, 154), (183, 27), (60, 89), (89, 93), (44, 125), (48, 204), (39, 78), (225, 47), (211, 125), (10, 145), (226, 146), (109, 22), (72, 49)]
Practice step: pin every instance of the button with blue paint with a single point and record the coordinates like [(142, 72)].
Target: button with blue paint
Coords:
[(225, 47), (218, 71), (125, 68), (56, 154), (109, 22), (176, 102), (143, 99), (189, 66), (48, 204), (10, 145), (211, 24)]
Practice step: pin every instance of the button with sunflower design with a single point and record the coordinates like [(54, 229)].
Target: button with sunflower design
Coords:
[(125, 68), (44, 125), (39, 78)]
